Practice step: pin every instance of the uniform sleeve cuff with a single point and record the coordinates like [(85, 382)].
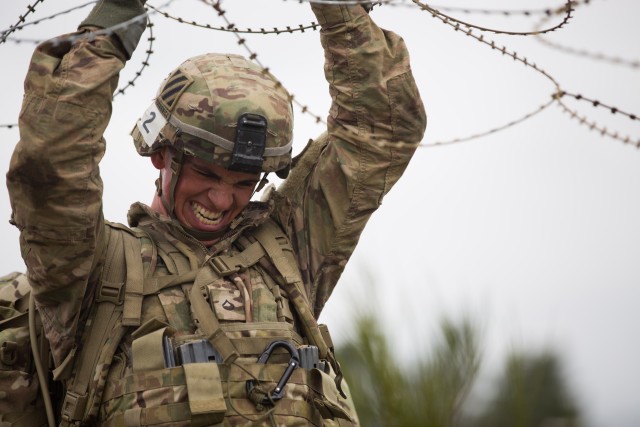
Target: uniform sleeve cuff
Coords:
[(329, 15)]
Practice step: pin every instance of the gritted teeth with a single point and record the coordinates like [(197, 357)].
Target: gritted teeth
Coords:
[(206, 216)]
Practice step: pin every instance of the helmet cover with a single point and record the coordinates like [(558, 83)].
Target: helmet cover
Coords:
[(198, 107)]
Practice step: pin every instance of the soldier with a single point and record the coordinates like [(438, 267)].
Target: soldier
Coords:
[(203, 309)]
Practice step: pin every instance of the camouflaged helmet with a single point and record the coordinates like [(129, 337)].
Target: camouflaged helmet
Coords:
[(223, 109)]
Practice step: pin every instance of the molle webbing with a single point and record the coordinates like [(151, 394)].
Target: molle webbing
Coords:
[(279, 250), (234, 379), (125, 281), (272, 245), (220, 266), (117, 305)]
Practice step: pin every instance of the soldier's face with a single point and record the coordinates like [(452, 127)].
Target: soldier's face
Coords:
[(208, 197)]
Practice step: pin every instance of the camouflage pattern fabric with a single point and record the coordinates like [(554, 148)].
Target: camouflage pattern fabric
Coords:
[(210, 92), (375, 124), (20, 400), (13, 288)]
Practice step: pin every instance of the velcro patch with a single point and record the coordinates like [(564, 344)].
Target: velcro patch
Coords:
[(150, 124)]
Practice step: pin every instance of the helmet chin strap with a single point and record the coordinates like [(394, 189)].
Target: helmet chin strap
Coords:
[(263, 181)]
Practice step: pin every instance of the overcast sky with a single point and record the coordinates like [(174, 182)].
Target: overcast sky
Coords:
[(534, 231)]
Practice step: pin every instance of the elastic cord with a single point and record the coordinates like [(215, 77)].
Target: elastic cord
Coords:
[(44, 385)]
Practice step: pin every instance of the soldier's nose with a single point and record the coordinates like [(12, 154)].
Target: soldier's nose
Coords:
[(221, 197)]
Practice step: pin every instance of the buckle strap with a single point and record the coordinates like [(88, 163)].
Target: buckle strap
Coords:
[(73, 408), (110, 292), (208, 323), (132, 311), (226, 265)]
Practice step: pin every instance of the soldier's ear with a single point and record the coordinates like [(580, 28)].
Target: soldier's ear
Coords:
[(161, 158)]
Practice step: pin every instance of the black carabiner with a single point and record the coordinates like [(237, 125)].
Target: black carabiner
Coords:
[(294, 362)]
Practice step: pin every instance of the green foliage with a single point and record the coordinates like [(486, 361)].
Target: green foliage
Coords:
[(531, 393), (428, 393), (431, 391)]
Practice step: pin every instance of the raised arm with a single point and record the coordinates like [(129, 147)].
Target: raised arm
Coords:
[(375, 123), (53, 180)]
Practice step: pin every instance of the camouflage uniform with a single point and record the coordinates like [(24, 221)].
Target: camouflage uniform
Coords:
[(18, 389), (374, 126)]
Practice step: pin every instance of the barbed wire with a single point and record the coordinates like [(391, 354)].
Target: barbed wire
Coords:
[(596, 103), (19, 40), (567, 9), (145, 61), (468, 31), (313, 26), (231, 27), (505, 12), (121, 91), (465, 10), (592, 124), (71, 38), (631, 63), (234, 29), (22, 24), (21, 19), (583, 52), (456, 24), (492, 130), (216, 5)]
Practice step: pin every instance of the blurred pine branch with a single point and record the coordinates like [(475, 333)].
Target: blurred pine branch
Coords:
[(429, 392), (433, 390)]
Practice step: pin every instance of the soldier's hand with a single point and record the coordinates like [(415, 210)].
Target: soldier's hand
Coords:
[(109, 13)]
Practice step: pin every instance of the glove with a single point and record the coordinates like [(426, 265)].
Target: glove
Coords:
[(107, 13)]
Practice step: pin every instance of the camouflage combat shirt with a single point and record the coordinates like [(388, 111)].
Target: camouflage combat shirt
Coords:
[(375, 123)]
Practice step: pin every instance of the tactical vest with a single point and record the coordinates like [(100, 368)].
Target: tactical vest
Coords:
[(229, 340)]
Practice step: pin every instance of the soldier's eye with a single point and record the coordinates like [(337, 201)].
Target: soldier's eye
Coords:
[(205, 173), (247, 184)]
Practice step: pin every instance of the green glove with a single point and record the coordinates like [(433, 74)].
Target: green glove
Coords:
[(107, 13)]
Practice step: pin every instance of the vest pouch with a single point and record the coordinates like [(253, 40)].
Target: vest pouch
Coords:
[(310, 395), (183, 395), (204, 390), (149, 351), (328, 400), (293, 409), (250, 339), (160, 393), (20, 400)]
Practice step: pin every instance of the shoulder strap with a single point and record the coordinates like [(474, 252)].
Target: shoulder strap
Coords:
[(279, 251), (278, 248), (220, 266), (118, 304)]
